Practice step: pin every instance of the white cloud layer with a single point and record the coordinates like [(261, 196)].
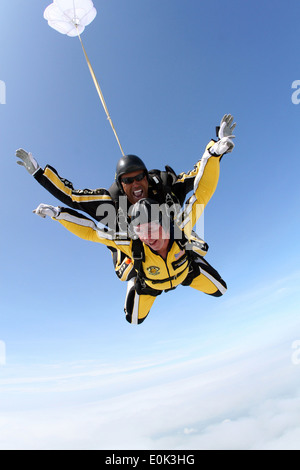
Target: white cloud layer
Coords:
[(240, 399), (233, 385)]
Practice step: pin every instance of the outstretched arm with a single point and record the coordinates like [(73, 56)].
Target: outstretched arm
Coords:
[(83, 227), (207, 175), (86, 200), (185, 181)]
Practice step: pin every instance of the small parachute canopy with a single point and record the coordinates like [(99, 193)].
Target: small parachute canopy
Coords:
[(70, 16)]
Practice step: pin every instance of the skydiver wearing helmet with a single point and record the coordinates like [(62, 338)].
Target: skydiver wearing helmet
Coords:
[(162, 186), (132, 178), (161, 257)]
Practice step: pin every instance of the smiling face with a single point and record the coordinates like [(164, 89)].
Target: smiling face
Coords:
[(154, 236), (135, 190)]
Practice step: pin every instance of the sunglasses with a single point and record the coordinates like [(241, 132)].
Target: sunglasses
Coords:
[(131, 179)]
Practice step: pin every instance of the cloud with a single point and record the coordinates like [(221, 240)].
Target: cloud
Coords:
[(231, 386), (239, 399)]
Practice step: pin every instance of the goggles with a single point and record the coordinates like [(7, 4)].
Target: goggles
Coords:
[(131, 179)]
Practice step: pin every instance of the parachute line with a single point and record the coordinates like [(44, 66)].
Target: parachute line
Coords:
[(71, 17), (99, 92)]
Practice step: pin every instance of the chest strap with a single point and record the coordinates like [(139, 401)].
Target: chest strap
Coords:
[(168, 279), (138, 256)]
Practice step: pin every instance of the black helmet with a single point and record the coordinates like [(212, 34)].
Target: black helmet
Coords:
[(148, 210), (127, 164)]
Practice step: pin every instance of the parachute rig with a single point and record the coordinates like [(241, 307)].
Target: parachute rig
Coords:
[(70, 17)]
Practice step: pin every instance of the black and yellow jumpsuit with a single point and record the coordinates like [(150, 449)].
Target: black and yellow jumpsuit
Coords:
[(162, 274), (95, 202)]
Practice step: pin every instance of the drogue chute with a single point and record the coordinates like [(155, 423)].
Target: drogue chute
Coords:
[(70, 17)]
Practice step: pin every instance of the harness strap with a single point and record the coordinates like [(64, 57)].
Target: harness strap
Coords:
[(138, 256), (161, 281)]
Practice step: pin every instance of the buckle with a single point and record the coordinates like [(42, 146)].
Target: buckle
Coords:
[(139, 258)]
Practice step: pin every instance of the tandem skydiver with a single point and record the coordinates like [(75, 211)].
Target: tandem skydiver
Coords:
[(159, 246), (132, 182)]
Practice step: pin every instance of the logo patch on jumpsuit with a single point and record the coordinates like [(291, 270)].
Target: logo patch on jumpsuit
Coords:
[(154, 270)]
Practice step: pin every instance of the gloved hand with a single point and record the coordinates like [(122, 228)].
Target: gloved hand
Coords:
[(44, 210), (27, 161), (224, 145), (226, 127)]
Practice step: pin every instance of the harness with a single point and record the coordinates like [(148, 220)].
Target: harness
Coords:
[(138, 256), (160, 185), (161, 182)]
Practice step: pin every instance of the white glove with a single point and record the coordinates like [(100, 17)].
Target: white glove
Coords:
[(225, 134), (27, 161), (224, 145), (226, 127), (44, 210)]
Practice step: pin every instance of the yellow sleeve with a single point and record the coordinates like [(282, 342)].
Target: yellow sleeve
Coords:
[(205, 183), (86, 229), (190, 176)]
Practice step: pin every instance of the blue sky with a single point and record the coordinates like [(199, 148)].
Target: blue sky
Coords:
[(169, 71)]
